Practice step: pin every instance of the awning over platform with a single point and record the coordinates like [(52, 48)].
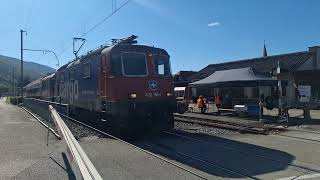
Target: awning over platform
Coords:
[(235, 77)]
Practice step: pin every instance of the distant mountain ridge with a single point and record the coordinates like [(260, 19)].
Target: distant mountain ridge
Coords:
[(31, 70)]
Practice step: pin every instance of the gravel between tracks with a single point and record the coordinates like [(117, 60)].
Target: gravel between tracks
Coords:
[(79, 131), (194, 128)]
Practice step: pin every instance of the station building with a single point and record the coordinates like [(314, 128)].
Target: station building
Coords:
[(299, 71)]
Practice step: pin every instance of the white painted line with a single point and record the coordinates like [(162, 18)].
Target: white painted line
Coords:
[(56, 103), (307, 176)]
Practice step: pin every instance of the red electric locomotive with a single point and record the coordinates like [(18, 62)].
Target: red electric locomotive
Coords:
[(129, 87)]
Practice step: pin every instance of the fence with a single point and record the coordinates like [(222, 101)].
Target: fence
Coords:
[(78, 158), (40, 107)]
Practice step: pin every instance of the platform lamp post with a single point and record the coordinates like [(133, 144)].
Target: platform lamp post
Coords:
[(279, 88), (21, 51)]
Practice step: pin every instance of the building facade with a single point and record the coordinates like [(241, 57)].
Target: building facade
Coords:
[(299, 70)]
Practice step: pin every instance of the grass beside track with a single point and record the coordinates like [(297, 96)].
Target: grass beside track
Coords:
[(13, 100)]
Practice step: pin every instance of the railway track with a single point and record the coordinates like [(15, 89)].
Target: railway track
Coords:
[(301, 138), (136, 147), (247, 153), (201, 160), (242, 128), (192, 157), (179, 153), (185, 155)]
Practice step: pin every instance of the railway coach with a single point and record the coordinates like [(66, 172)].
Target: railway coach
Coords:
[(128, 87)]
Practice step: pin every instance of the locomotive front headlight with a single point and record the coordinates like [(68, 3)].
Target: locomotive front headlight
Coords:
[(133, 96), (169, 94)]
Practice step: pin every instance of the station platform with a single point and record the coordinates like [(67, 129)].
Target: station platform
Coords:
[(24, 152)]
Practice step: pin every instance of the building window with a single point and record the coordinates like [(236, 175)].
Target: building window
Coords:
[(86, 70)]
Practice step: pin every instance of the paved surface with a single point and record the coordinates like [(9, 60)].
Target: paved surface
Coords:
[(115, 160), (258, 156), (299, 151), (24, 152)]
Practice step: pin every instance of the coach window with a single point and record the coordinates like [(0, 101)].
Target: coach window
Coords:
[(134, 64), (61, 77), (162, 65), (86, 70), (72, 73)]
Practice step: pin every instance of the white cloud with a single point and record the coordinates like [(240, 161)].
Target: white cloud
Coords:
[(212, 24)]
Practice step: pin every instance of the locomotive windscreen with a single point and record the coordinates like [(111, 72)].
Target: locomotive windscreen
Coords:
[(134, 64)]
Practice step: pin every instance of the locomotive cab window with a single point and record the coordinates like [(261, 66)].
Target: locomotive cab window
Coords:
[(86, 70), (162, 65), (134, 64), (116, 67)]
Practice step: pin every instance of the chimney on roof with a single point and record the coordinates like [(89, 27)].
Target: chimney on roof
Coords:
[(264, 54), (316, 57)]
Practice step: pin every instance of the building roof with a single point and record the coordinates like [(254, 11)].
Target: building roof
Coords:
[(290, 62), (239, 76), (34, 84)]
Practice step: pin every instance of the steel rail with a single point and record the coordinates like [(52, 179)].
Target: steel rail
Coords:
[(206, 162), (49, 102), (300, 138), (42, 123), (243, 152), (136, 147), (223, 125)]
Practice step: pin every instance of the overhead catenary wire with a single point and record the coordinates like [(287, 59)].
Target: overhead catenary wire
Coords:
[(106, 18), (114, 11), (28, 20)]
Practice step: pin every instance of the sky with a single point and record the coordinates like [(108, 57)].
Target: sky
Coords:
[(195, 33)]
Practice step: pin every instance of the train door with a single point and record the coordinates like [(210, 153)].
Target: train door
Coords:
[(103, 77)]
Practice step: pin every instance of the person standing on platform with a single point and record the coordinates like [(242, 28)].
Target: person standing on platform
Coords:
[(201, 104), (217, 101), (261, 102)]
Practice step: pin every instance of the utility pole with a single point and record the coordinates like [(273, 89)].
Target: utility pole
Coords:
[(13, 89), (21, 50)]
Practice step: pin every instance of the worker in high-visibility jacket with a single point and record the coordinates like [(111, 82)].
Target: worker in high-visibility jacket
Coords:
[(201, 104), (217, 101)]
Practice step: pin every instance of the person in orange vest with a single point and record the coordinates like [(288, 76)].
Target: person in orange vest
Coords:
[(201, 104), (217, 101)]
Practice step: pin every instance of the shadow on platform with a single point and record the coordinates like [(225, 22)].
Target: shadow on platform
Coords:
[(220, 151)]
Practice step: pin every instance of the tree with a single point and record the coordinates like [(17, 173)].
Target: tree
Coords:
[(26, 81), (3, 89)]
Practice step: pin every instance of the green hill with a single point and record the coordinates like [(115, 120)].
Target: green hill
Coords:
[(31, 71)]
